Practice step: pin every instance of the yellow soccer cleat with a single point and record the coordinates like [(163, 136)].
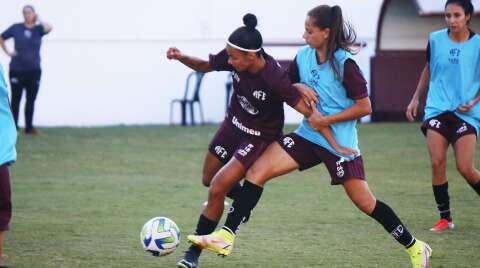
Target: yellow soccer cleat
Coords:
[(420, 254), (220, 242)]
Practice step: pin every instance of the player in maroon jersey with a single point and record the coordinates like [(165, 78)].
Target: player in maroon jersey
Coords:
[(254, 119)]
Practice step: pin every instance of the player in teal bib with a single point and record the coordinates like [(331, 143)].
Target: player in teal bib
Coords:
[(452, 112), (332, 98), (8, 155), (327, 67)]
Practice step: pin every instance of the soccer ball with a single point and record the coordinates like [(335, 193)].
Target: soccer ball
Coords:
[(160, 236)]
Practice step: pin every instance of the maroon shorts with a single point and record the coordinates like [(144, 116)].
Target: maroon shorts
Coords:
[(308, 154), (229, 142), (450, 126), (5, 201)]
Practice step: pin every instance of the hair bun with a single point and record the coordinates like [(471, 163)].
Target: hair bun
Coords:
[(250, 21)]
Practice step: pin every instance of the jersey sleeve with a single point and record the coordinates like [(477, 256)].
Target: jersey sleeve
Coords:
[(427, 55), (219, 62), (293, 71), (8, 33), (280, 83), (353, 81), (41, 30)]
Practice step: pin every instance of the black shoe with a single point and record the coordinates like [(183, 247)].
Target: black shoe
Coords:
[(189, 260)]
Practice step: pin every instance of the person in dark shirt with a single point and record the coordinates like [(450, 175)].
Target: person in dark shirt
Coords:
[(327, 66), (25, 71), (254, 119)]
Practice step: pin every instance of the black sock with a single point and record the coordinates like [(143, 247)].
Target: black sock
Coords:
[(233, 193), (204, 226), (392, 224), (476, 187), (443, 200), (247, 199)]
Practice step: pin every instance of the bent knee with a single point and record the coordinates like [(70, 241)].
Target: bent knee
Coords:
[(366, 206), (467, 171), (207, 178), (257, 175), (217, 191)]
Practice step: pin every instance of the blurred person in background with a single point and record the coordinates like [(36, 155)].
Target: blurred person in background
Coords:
[(25, 70)]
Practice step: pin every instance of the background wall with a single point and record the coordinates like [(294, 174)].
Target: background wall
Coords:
[(104, 63)]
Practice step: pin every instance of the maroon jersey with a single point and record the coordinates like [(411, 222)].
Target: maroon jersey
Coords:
[(256, 105)]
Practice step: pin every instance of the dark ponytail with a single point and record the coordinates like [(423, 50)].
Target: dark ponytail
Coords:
[(342, 35), (465, 4), (247, 37)]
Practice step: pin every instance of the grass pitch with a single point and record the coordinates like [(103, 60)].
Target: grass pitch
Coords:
[(81, 196)]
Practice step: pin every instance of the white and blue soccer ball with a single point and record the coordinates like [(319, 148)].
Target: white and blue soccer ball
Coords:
[(160, 236)]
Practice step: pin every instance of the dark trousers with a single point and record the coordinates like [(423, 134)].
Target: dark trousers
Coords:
[(5, 198), (30, 81)]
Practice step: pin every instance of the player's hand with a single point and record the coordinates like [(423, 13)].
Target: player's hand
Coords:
[(346, 151), (316, 120), (467, 107), (174, 53), (309, 95), (412, 109)]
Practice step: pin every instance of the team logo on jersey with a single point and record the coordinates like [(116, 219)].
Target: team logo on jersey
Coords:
[(397, 232), (235, 77), (288, 142), (434, 123), (14, 80), (243, 152), (27, 33), (462, 129), (245, 129), (340, 171), (220, 151), (246, 105), (454, 54), (260, 95)]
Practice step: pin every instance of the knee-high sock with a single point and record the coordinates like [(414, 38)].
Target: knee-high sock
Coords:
[(443, 200), (245, 202), (392, 224)]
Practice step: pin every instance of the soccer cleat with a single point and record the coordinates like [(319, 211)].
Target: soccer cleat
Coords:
[(442, 225), (189, 260), (220, 242), (420, 254)]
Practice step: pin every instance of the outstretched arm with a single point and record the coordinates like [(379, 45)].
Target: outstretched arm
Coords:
[(196, 64)]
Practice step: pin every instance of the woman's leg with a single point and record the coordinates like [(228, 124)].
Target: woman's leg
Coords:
[(222, 182), (32, 84), (211, 165), (17, 90), (274, 162), (437, 148), (465, 148), (5, 205), (359, 193)]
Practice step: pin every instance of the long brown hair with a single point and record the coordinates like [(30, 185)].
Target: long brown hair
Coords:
[(342, 35)]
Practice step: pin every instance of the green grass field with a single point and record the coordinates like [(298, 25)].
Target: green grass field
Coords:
[(82, 195)]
